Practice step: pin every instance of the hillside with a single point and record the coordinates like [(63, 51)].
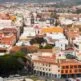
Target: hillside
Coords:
[(65, 2)]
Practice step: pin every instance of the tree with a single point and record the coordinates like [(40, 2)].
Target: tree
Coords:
[(24, 50), (47, 46), (70, 56), (37, 40), (12, 63), (54, 18), (78, 11), (54, 15)]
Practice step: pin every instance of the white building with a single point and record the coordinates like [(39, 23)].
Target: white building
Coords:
[(27, 21), (77, 42), (28, 33), (44, 65), (66, 22), (19, 21), (5, 23), (61, 43), (20, 43), (58, 39)]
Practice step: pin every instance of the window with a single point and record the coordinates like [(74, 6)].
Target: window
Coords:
[(79, 70), (67, 67), (63, 67), (70, 71), (75, 66), (40, 68), (43, 64), (46, 69), (62, 71), (79, 66), (49, 69), (49, 65), (75, 70), (66, 71), (46, 64), (71, 66), (58, 70)]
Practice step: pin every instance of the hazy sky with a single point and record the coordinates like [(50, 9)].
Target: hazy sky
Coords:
[(25, 0), (39, 0), (12, 0)]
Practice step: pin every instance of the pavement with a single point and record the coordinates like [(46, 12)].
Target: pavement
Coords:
[(20, 78)]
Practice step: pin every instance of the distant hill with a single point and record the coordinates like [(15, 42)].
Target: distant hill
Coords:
[(41, 1)]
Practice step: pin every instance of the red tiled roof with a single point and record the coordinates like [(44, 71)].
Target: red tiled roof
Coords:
[(7, 39), (69, 61), (46, 59), (29, 48)]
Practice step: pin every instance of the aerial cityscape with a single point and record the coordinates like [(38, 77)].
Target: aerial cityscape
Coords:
[(40, 40)]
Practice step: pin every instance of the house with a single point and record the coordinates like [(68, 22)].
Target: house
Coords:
[(19, 21), (6, 20), (5, 23), (72, 32), (8, 30), (20, 43), (66, 22), (28, 33), (61, 44), (7, 39)]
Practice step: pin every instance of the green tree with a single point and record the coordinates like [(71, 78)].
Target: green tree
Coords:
[(37, 40), (54, 18), (70, 56), (48, 46), (12, 63)]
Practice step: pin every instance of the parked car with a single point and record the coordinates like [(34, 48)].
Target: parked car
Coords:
[(78, 79), (69, 79)]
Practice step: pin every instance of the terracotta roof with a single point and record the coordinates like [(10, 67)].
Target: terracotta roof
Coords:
[(60, 62), (46, 59), (15, 48), (29, 48), (7, 38), (70, 15), (4, 16), (69, 61), (9, 29), (7, 16)]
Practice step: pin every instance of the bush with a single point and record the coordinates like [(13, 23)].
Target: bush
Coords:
[(48, 46)]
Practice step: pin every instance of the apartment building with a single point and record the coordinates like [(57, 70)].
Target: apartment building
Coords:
[(46, 64)]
